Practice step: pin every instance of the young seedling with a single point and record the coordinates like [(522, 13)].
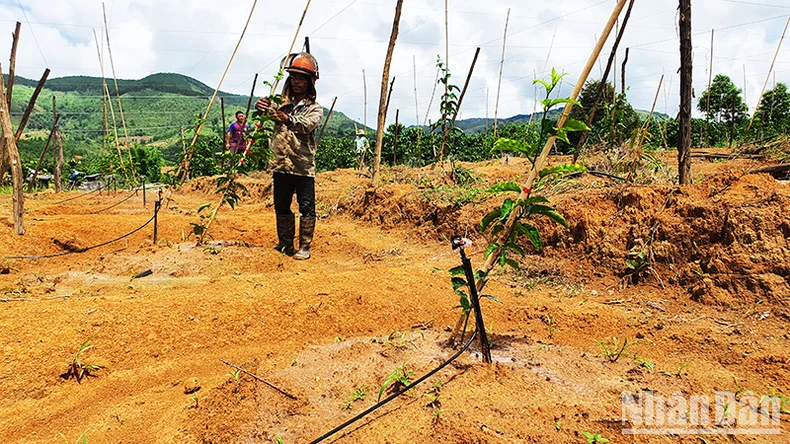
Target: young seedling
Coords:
[(616, 349), (549, 321), (235, 375), (400, 377), (433, 395), (592, 439), (356, 395), (77, 369)]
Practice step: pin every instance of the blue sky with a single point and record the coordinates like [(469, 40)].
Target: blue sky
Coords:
[(197, 37)]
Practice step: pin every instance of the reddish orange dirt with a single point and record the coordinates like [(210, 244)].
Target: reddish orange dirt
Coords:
[(712, 314)]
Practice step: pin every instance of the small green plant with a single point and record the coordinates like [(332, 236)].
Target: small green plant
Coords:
[(782, 401), (279, 439), (558, 425), (459, 283), (400, 377), (592, 439), (83, 439), (357, 395), (194, 399), (616, 349), (77, 369), (650, 365), (549, 321), (235, 375), (212, 250), (199, 228), (433, 395)]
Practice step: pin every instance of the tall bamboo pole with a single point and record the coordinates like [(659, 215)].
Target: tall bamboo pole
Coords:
[(382, 98), (329, 116), (107, 99), (767, 79), (710, 81), (183, 168), (501, 69), (12, 65), (622, 71), (416, 102), (602, 87), (57, 154), (118, 95), (458, 108), (18, 197), (389, 95), (646, 126), (364, 101), (541, 160), (395, 139), (293, 42), (684, 139)]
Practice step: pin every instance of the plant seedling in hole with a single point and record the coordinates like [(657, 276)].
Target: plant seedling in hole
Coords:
[(279, 439), (77, 369), (400, 377), (558, 425), (617, 349), (356, 395), (650, 365), (195, 400), (83, 439), (433, 394), (592, 439), (549, 320), (235, 375)]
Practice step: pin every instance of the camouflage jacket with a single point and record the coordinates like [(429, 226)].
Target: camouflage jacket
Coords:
[(294, 145)]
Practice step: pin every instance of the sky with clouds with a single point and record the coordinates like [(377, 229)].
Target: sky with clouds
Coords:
[(197, 38)]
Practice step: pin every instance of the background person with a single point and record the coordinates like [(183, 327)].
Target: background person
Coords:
[(234, 138)]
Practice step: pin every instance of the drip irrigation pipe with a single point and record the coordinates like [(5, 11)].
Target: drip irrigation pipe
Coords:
[(80, 196), (395, 395), (82, 250), (597, 173), (133, 193)]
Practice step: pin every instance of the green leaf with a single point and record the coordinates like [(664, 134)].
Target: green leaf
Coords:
[(550, 103), (512, 263), (515, 248), (507, 208), (465, 304), (458, 283), (490, 217), (492, 247), (492, 298), (532, 234), (575, 125), (562, 135), (504, 144), (203, 207), (544, 83), (457, 271), (562, 169), (504, 186), (498, 227), (549, 212)]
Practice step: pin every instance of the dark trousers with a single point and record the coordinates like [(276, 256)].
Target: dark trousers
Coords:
[(285, 185)]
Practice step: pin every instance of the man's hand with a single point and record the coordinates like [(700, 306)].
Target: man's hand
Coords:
[(264, 105)]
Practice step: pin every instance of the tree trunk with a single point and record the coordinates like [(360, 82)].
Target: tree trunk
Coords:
[(383, 97), (684, 141), (9, 141)]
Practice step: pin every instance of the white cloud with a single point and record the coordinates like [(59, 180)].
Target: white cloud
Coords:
[(197, 37)]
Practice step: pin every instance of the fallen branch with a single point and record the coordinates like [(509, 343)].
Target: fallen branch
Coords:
[(259, 379)]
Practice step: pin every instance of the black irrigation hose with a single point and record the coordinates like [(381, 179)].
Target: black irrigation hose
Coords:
[(82, 250), (80, 196), (597, 173), (395, 395), (116, 204)]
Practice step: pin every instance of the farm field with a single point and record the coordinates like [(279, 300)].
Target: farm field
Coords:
[(710, 313)]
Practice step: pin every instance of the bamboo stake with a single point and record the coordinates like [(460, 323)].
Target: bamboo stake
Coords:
[(602, 87), (416, 103), (501, 68), (118, 95), (184, 166), (710, 81), (222, 111), (430, 102), (365, 100), (395, 139), (329, 116), (382, 98), (106, 96), (12, 65), (17, 198), (293, 42), (57, 154), (460, 101), (646, 127), (389, 95), (43, 154), (767, 79), (541, 160), (686, 90), (446, 61), (543, 75)]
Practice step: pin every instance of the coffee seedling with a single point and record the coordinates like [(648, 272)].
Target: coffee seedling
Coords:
[(616, 349), (592, 439), (400, 377), (356, 395), (77, 369)]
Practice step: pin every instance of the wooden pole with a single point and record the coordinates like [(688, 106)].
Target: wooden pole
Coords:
[(183, 168), (602, 87), (329, 116), (646, 127), (43, 154), (541, 160), (389, 94), (224, 122), (57, 153), (501, 68), (249, 102), (395, 139), (12, 65), (416, 102), (23, 123), (365, 100), (107, 99), (118, 96), (17, 198), (710, 81), (460, 101), (767, 79), (382, 98), (684, 139), (622, 71)]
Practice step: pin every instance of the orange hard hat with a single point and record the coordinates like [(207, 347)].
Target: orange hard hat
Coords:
[(303, 63)]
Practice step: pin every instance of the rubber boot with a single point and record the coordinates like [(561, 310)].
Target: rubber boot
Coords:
[(286, 226), (306, 228)]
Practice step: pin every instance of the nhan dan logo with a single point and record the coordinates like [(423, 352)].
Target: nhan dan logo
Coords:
[(646, 413)]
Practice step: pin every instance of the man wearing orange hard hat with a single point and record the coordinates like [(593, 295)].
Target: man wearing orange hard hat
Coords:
[(294, 145)]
